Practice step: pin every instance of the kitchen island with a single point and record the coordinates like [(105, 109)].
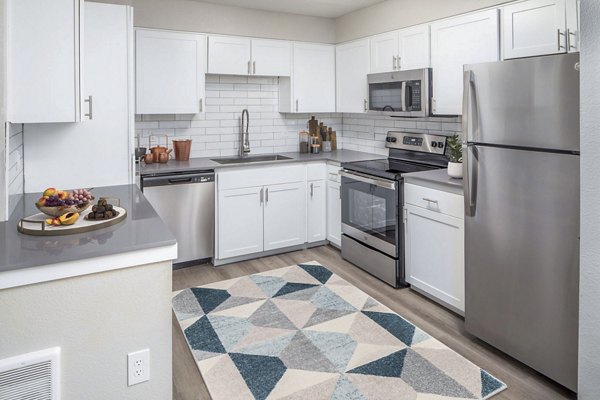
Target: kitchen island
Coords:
[(101, 294)]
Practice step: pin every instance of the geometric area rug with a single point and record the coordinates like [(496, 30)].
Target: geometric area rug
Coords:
[(302, 332)]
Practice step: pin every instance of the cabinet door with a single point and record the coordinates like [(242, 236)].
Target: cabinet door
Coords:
[(271, 57), (170, 70), (438, 270), (573, 25), (43, 61), (229, 55), (239, 222), (384, 50), (334, 213), (414, 48), (313, 78), (285, 215), (352, 66), (533, 28), (317, 210), (468, 39)]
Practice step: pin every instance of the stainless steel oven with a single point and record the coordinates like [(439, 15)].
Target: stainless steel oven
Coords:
[(372, 230), (401, 93)]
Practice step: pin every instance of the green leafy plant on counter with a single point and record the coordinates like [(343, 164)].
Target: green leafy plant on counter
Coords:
[(454, 153)]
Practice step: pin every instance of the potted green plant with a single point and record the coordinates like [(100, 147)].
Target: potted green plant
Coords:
[(455, 156)]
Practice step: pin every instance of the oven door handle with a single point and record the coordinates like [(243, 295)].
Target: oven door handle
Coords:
[(380, 182)]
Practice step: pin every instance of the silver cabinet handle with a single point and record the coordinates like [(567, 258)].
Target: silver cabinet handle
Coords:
[(90, 114), (312, 189), (249, 67), (201, 105), (262, 195), (267, 195), (296, 105), (366, 105), (430, 200), (560, 46), (394, 62), (399, 62), (569, 45), (254, 67)]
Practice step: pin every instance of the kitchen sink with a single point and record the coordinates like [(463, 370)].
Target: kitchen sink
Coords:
[(251, 159)]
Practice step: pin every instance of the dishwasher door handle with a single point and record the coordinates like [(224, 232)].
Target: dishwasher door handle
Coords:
[(181, 180)]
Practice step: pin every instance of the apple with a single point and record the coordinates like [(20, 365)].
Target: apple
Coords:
[(42, 201), (50, 192), (63, 195)]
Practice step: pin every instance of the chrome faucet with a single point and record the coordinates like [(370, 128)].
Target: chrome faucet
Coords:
[(245, 139)]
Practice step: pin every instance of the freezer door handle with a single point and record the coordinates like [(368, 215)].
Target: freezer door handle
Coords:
[(469, 119), (470, 166)]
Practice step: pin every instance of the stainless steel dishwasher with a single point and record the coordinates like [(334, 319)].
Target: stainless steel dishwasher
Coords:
[(186, 203)]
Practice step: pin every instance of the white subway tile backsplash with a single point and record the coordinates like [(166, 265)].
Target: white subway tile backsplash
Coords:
[(216, 132)]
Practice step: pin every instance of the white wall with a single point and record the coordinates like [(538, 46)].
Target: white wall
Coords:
[(196, 16), (395, 14), (15, 166), (96, 320), (589, 315), (217, 131)]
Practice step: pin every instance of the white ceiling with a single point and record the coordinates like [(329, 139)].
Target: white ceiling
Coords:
[(317, 8)]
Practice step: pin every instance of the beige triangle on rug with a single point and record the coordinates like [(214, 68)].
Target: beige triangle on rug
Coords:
[(295, 380), (243, 311), (340, 325), (382, 388), (259, 334), (224, 381), (297, 311), (246, 287), (367, 352)]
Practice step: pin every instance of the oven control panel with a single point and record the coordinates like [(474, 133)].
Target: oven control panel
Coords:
[(421, 142)]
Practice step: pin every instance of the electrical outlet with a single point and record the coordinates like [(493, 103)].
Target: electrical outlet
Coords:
[(138, 367)]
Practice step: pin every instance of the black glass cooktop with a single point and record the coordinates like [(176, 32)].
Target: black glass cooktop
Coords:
[(393, 168)]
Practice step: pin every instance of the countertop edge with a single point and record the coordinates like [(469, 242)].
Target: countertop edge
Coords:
[(70, 269)]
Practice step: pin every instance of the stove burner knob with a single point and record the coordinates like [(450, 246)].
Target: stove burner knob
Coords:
[(393, 139), (433, 144), (441, 145)]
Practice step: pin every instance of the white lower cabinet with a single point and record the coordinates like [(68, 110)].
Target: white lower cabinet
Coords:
[(334, 206), (434, 248), (240, 222), (317, 210), (284, 215)]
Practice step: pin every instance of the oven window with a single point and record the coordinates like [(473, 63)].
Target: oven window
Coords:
[(370, 209), (385, 96)]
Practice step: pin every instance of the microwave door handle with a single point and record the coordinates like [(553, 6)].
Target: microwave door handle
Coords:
[(403, 95)]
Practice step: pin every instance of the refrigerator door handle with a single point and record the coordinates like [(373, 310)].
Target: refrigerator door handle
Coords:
[(469, 120), (470, 166)]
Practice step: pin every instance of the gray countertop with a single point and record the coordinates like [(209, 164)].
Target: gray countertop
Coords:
[(436, 176), (142, 229), (338, 156)]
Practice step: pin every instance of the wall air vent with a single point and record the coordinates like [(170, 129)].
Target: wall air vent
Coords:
[(32, 376)]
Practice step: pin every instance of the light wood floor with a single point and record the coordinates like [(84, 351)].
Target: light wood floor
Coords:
[(523, 383)]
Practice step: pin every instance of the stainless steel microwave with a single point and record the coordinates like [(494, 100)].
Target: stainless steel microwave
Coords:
[(401, 93)]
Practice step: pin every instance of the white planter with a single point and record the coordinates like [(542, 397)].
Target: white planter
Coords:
[(455, 170)]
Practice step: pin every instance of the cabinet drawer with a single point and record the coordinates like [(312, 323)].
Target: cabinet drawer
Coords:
[(434, 200), (333, 173), (236, 178), (316, 171)]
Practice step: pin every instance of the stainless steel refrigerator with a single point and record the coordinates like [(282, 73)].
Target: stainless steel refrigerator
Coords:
[(521, 125)]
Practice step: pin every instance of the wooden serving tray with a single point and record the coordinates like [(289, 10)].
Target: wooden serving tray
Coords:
[(36, 224)]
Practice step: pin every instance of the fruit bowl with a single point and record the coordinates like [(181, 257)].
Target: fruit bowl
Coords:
[(62, 210)]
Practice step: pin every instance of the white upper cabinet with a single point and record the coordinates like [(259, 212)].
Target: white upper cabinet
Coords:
[(413, 48), (170, 72), (44, 60), (573, 25), (467, 39), (271, 57), (311, 87), (384, 52), (536, 27), (400, 50), (352, 67), (229, 55)]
